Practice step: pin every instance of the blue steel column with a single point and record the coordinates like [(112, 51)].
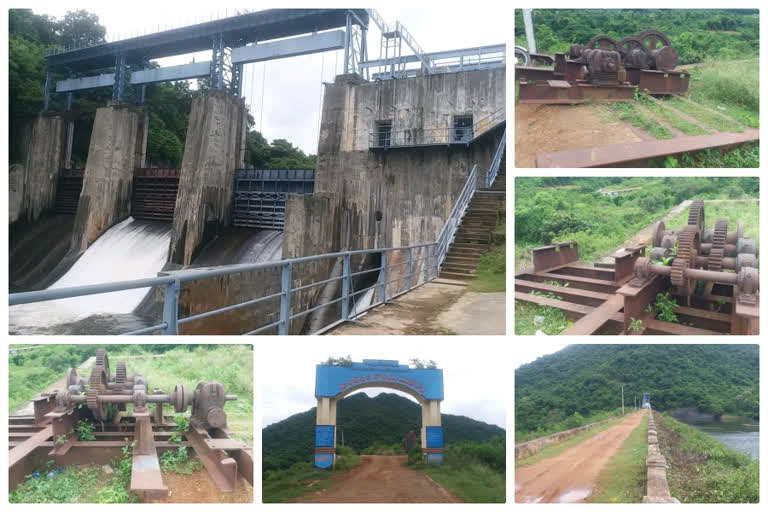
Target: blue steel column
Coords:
[(171, 308), (383, 273), (119, 85), (142, 93), (47, 89), (347, 43), (68, 102), (345, 282), (236, 84)]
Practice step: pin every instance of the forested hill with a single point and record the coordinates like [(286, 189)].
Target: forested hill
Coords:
[(587, 378), (384, 419), (696, 34)]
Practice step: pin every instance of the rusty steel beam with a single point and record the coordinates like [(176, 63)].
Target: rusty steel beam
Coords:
[(242, 457), (579, 296), (595, 320), (22, 450), (636, 299), (658, 327), (551, 256), (663, 82), (640, 152), (567, 306), (146, 477), (586, 271), (564, 92), (221, 467), (63, 424), (530, 73), (582, 283), (710, 320), (42, 405)]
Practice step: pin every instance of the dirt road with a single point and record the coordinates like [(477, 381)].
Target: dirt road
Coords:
[(28, 409), (570, 476), (382, 479)]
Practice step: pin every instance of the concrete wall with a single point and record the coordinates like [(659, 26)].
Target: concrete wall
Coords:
[(534, 446), (16, 175), (117, 143), (413, 188), (211, 153), (45, 155), (657, 489)]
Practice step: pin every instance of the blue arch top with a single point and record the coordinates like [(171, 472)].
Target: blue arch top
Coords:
[(332, 381)]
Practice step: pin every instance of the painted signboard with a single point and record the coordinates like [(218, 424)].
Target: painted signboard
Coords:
[(435, 437), (323, 460), (324, 435), (338, 380)]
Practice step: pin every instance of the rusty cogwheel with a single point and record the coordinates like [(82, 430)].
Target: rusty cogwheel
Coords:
[(696, 215), (688, 243), (120, 373), (103, 361), (658, 234), (606, 43), (654, 36), (716, 253), (96, 384)]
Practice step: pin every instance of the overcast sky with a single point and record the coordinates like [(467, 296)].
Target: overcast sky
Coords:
[(477, 381), (529, 349), (292, 87)]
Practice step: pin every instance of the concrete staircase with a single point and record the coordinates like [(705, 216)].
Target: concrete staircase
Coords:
[(474, 235)]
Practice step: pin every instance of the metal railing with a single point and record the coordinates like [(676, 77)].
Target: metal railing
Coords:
[(452, 223), (410, 266), (384, 137), (493, 170)]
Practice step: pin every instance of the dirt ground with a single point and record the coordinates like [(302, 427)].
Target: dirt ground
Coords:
[(382, 479), (571, 476), (199, 488), (548, 128), (434, 308)]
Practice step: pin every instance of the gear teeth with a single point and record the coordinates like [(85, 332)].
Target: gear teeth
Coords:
[(696, 214), (687, 249), (120, 373), (95, 386)]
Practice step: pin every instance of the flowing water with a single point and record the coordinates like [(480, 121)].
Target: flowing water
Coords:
[(129, 250), (741, 434)]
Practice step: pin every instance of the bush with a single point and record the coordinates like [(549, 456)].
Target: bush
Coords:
[(415, 456)]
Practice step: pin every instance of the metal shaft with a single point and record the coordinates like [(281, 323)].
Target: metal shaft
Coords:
[(693, 273)]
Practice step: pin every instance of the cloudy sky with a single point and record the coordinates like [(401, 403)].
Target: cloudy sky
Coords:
[(527, 351), (285, 95), (477, 381)]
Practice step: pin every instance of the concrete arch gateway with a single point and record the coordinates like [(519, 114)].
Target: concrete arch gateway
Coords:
[(332, 383)]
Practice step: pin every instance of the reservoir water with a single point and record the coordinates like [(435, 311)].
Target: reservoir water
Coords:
[(741, 434)]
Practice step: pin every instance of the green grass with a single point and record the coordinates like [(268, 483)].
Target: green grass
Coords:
[(714, 121), (670, 117), (555, 320), (635, 115), (731, 87), (555, 449), (303, 477), (623, 479), (747, 212), (704, 470), (491, 271), (475, 472)]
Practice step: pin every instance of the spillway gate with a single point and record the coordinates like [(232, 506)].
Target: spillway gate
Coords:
[(154, 193), (68, 188), (260, 194)]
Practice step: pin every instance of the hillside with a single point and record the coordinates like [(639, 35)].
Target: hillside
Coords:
[(385, 419), (720, 379)]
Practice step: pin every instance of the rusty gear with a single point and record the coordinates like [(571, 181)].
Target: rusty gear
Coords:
[(696, 215), (121, 376), (653, 37), (717, 252), (96, 385), (606, 43), (688, 243), (658, 234), (103, 361)]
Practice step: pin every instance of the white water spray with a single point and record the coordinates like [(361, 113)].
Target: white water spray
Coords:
[(129, 250)]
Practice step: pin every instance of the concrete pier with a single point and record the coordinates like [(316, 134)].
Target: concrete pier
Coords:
[(211, 153), (36, 182)]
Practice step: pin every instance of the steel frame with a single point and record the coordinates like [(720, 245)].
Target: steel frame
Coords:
[(33, 440), (602, 302)]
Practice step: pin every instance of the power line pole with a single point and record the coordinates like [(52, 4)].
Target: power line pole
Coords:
[(622, 399)]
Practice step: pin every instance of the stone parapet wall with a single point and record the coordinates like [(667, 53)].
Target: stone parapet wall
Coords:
[(657, 489), (534, 446)]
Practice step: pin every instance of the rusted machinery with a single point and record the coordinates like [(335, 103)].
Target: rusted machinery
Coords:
[(710, 273), (103, 398), (606, 69)]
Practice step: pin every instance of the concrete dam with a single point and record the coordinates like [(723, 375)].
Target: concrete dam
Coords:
[(216, 248)]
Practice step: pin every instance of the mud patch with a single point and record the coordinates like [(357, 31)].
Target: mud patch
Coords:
[(199, 488), (574, 496)]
